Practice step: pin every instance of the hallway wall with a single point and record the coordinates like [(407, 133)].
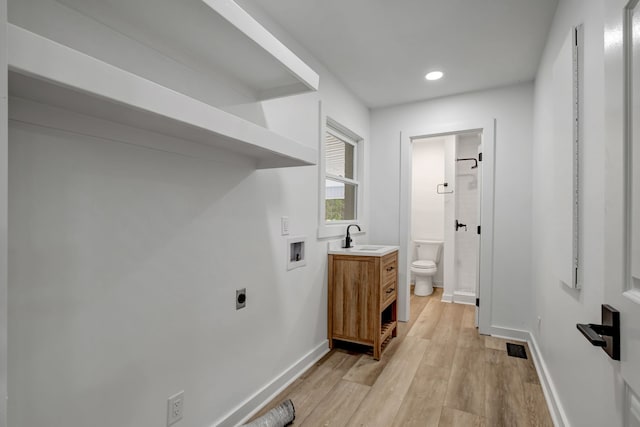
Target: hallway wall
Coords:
[(583, 376), (124, 260), (512, 106)]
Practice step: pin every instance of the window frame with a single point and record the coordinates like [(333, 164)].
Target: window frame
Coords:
[(336, 228)]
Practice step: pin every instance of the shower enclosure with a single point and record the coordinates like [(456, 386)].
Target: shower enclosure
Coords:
[(463, 206)]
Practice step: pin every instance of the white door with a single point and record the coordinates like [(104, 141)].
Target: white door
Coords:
[(622, 139), (479, 237)]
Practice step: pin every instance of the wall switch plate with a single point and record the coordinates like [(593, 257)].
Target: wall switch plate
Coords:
[(241, 298), (284, 225), (175, 408)]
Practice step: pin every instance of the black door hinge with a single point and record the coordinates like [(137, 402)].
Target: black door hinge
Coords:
[(477, 302), (479, 157), (478, 229)]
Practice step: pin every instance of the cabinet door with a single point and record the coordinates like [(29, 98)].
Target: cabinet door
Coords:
[(354, 299)]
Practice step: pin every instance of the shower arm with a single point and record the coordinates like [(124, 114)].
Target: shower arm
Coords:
[(475, 161)]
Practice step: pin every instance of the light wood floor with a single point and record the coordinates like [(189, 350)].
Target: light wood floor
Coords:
[(438, 372)]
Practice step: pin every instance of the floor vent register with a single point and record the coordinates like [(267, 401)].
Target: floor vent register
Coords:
[(516, 350)]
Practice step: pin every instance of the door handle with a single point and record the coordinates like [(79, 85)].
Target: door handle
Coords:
[(590, 333), (606, 335)]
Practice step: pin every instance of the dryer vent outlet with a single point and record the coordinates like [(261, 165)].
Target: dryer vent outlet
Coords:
[(241, 298)]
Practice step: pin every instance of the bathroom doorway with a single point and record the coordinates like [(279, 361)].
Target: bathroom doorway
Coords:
[(445, 207), (447, 200)]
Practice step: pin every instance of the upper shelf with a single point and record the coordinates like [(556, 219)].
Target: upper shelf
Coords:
[(216, 34), (48, 72)]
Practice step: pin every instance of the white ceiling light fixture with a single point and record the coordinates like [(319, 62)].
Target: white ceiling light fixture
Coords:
[(434, 75)]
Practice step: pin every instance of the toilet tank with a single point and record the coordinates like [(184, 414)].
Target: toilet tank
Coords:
[(429, 250)]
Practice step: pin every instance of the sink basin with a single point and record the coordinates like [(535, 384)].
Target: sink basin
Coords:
[(365, 250)]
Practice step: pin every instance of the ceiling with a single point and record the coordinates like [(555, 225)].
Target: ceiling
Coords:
[(382, 49)]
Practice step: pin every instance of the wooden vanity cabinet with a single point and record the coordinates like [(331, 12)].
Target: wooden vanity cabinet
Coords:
[(363, 294)]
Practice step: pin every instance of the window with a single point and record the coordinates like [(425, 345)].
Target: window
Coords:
[(341, 174)]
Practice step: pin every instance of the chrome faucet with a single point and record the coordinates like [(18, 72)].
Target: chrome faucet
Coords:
[(347, 240)]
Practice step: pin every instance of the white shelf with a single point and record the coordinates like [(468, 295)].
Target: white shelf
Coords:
[(215, 34), (48, 72)]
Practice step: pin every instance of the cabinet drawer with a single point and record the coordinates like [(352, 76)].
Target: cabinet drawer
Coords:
[(389, 270), (388, 293)]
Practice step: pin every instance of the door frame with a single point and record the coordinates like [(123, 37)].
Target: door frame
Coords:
[(4, 193), (619, 168), (488, 142)]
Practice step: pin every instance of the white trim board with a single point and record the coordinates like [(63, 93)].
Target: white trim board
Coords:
[(558, 415), (245, 410), (464, 297), (4, 195), (459, 297)]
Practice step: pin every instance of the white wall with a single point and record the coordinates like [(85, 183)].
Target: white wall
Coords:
[(512, 107), (124, 263), (583, 376), (427, 207)]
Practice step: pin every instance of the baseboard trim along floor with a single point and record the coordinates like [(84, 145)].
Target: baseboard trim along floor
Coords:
[(251, 405)]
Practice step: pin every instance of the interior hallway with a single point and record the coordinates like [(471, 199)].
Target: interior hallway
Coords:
[(438, 372)]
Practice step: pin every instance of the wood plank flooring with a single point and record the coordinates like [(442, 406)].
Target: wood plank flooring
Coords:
[(437, 372)]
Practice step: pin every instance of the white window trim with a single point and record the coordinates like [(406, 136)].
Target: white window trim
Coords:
[(337, 228)]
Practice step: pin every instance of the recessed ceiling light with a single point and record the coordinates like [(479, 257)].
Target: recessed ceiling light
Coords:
[(434, 75)]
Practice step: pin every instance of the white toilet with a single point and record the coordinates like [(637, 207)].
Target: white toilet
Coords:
[(426, 266)]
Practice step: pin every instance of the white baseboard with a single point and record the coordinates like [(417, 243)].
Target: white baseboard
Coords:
[(558, 415), (447, 297), (464, 297), (243, 412), (510, 334)]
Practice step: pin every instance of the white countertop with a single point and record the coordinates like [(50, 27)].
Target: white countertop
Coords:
[(364, 250)]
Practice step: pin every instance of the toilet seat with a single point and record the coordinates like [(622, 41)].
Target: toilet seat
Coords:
[(424, 267), (423, 264)]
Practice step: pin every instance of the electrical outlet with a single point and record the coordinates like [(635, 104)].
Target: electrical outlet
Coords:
[(175, 408), (284, 225), (241, 298)]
